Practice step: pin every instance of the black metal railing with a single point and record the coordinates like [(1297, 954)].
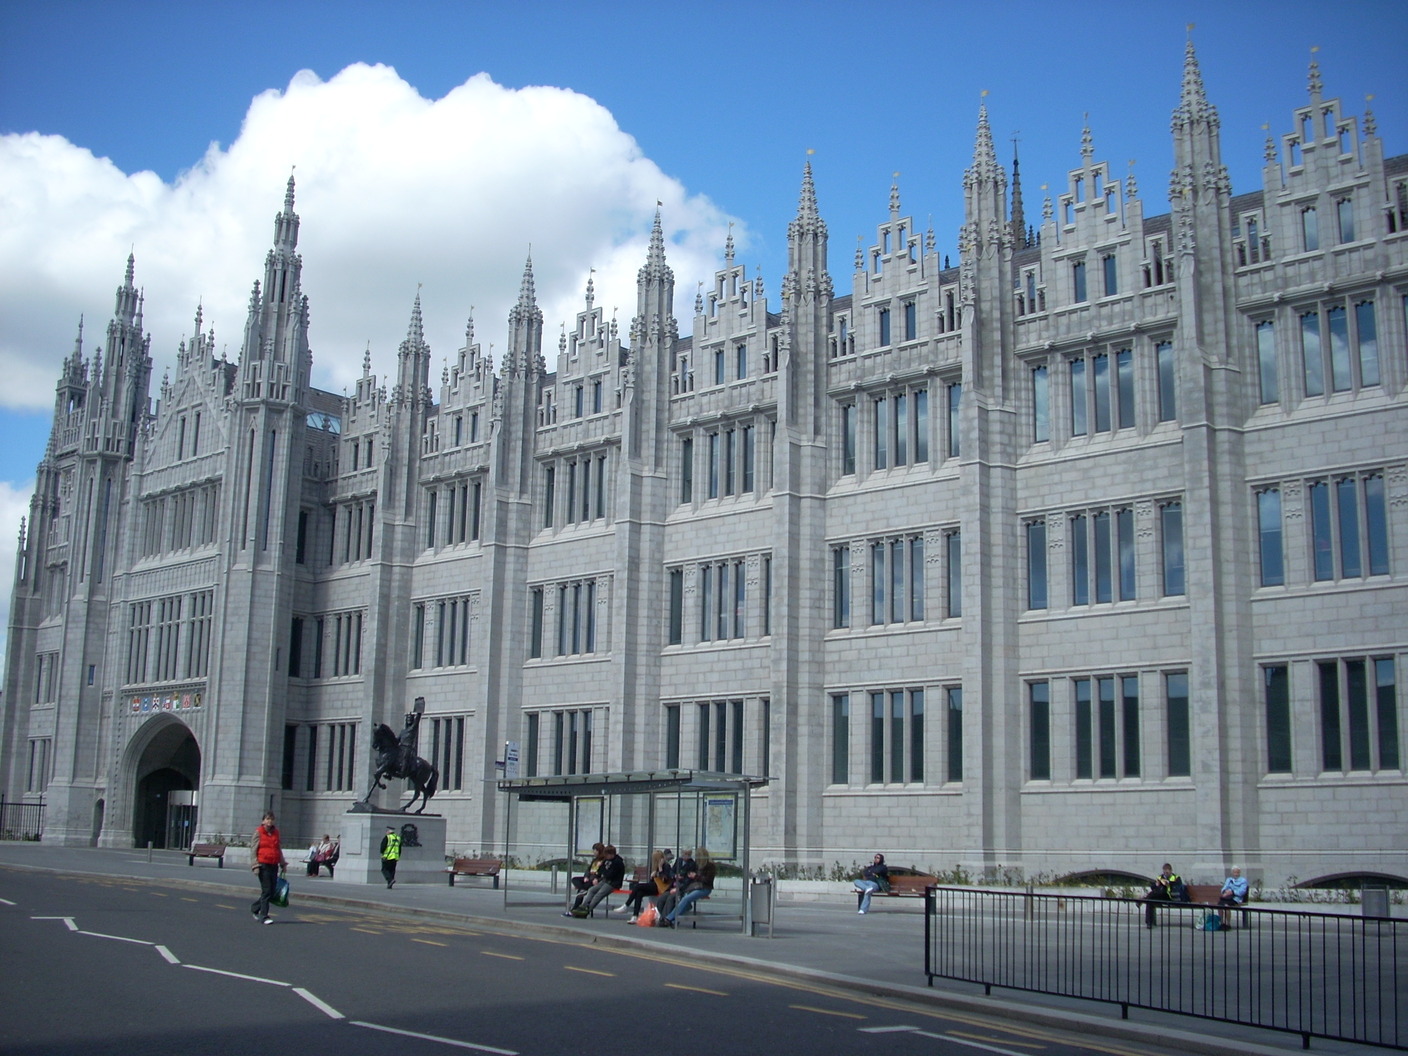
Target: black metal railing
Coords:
[(1337, 976), (21, 821)]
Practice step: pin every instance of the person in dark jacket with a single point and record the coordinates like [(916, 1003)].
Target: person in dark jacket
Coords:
[(390, 855), (875, 877), (1167, 887), (662, 875), (608, 878), (700, 885)]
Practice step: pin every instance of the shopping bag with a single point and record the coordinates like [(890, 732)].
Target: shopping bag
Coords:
[(280, 892), (648, 916)]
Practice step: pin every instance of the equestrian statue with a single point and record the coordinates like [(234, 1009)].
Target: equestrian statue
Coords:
[(396, 758)]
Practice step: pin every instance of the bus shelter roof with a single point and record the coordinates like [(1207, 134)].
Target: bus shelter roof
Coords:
[(628, 783)]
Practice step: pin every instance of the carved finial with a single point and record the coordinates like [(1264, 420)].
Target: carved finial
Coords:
[(1314, 81), (1131, 189), (699, 299), (1371, 127), (1087, 141), (895, 196), (1268, 154), (728, 246), (367, 361)]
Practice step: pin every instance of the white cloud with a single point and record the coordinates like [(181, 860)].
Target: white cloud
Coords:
[(393, 190)]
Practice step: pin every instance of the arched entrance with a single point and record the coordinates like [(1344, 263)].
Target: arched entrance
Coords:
[(167, 776)]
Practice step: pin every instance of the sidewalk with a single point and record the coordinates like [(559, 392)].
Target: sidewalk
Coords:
[(822, 943)]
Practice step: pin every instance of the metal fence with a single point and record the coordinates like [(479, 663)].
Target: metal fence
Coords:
[(21, 821), (1320, 975)]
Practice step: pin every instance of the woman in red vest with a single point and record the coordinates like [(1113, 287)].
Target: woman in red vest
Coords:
[(269, 862)]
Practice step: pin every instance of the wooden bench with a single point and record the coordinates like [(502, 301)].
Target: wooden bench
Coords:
[(482, 867), (206, 850), (1205, 896), (909, 886)]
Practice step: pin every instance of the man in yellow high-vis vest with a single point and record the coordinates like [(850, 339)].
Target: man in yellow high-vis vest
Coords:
[(390, 855)]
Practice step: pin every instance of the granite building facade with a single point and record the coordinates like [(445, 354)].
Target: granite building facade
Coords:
[(1088, 552)]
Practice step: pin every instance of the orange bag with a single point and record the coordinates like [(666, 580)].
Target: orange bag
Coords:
[(648, 916)]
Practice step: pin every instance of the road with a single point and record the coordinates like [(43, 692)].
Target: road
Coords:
[(117, 966)]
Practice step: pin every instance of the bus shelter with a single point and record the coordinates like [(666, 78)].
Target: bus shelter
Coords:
[(559, 818)]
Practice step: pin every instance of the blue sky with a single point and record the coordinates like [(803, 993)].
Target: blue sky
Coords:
[(415, 175)]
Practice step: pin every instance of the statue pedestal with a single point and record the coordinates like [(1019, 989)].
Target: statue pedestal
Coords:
[(360, 862)]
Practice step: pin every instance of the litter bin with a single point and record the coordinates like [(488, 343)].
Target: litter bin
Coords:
[(760, 904), (1373, 900)]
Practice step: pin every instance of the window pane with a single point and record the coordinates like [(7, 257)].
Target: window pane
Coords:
[(1124, 525), (1041, 406), (916, 736), (1368, 333), (877, 583), (1376, 525), (1103, 568), (1040, 761), (1268, 505), (955, 733), (1036, 565), (1357, 711), (840, 738), (916, 578), (955, 435), (1311, 354), (1124, 372), (1347, 495), (1084, 762), (1129, 692), (1078, 424), (1278, 719), (1331, 757), (1168, 391), (1106, 719), (848, 438), (897, 752), (1266, 362), (1386, 707), (882, 457), (921, 425), (877, 738), (1102, 393), (1080, 562), (901, 416), (1339, 349), (1324, 555), (1179, 749), (1172, 517), (955, 574), (841, 587)]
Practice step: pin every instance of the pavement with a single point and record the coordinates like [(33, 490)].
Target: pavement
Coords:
[(816, 942)]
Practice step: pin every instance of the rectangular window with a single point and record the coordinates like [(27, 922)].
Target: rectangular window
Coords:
[(1111, 275), (1320, 533), (955, 432), (1276, 688), (1180, 759), (596, 396), (729, 461), (1338, 321), (1100, 530), (1346, 496), (1084, 728), (1036, 565), (877, 738), (672, 737), (1331, 756), (920, 399), (1078, 407), (1386, 713), (1041, 406), (1367, 334), (1124, 389), (840, 738), (1080, 561), (713, 466), (1309, 229), (718, 366), (848, 438), (953, 552), (549, 482), (535, 636), (1105, 726), (530, 752), (901, 419), (882, 434), (1312, 356), (1171, 538), (1266, 362), (749, 444), (1344, 213), (676, 625), (953, 720), (1039, 702), (840, 586), (1376, 525), (1124, 531), (1078, 280), (687, 470), (1101, 382), (740, 361), (1168, 384), (884, 316), (1129, 696), (911, 321), (1268, 506)]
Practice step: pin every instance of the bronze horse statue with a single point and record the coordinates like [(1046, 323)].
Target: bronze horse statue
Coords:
[(396, 758)]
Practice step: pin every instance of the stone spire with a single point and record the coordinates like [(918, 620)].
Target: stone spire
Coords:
[(1193, 106), (1019, 216)]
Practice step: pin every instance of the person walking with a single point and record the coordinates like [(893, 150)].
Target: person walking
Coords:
[(269, 863), (390, 855)]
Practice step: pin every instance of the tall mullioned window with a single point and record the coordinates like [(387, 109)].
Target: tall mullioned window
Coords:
[(1358, 714), (897, 736)]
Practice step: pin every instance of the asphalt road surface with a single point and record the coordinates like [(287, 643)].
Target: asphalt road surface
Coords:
[(103, 966)]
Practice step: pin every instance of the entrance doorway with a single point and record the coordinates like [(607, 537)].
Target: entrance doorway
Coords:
[(168, 774)]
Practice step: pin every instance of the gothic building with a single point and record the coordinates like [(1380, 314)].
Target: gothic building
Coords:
[(1087, 553)]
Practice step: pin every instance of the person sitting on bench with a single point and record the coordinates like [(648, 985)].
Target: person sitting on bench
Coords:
[(1167, 887), (700, 885), (1234, 890)]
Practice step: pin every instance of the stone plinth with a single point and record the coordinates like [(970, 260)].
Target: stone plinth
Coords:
[(360, 862)]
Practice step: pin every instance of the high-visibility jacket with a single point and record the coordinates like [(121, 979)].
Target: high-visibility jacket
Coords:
[(391, 846)]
